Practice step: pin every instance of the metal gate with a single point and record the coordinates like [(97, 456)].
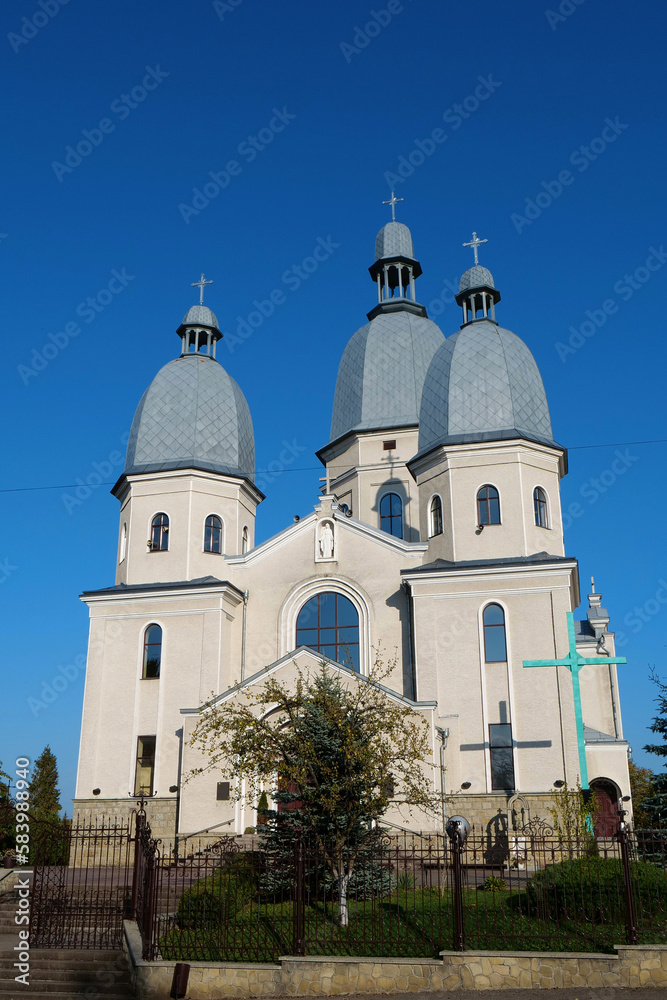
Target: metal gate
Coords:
[(82, 886)]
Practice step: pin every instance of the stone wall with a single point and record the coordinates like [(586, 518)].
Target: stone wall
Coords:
[(489, 814), (160, 812), (337, 976)]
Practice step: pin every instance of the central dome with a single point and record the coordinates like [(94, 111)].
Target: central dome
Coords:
[(192, 416), (382, 373), (483, 385)]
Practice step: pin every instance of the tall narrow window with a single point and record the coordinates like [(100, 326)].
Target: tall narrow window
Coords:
[(123, 542), (391, 514), (145, 773), (159, 541), (435, 517), (495, 644), (213, 534), (152, 651), (540, 505), (502, 757), (329, 623), (244, 541), (488, 505)]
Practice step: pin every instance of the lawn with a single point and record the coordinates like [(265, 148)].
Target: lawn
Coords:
[(410, 922)]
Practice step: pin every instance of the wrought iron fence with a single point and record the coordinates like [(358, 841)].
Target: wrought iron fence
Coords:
[(404, 895), (82, 884), (530, 891)]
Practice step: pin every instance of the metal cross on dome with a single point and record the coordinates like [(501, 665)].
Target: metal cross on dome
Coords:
[(200, 285), (574, 662), (393, 201), (474, 243)]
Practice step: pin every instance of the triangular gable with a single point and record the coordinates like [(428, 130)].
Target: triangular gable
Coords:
[(302, 658)]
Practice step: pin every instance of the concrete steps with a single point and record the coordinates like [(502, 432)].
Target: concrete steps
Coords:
[(56, 974)]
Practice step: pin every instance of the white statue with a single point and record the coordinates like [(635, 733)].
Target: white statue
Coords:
[(326, 541)]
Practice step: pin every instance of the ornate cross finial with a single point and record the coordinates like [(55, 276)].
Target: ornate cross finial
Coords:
[(474, 243), (393, 201), (200, 285)]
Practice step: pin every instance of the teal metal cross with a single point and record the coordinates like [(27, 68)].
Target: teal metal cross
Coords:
[(574, 662)]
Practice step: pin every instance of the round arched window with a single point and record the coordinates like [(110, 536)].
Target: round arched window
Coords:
[(329, 623)]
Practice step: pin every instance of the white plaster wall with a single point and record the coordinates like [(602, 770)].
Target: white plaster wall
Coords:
[(187, 498)]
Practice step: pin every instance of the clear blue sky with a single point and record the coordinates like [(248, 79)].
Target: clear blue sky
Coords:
[(343, 110)]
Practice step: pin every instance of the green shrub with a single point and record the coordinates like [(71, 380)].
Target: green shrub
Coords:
[(493, 883), (591, 888), (217, 897)]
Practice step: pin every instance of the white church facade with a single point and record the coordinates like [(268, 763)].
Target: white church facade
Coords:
[(437, 537)]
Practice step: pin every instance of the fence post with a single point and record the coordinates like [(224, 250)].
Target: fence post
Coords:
[(140, 819), (299, 930), (629, 899), (459, 933)]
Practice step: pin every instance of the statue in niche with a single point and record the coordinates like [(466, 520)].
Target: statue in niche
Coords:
[(326, 541)]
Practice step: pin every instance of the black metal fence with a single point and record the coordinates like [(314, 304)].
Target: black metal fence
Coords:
[(82, 884), (407, 896)]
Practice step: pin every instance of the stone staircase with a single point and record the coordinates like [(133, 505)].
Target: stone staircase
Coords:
[(63, 975)]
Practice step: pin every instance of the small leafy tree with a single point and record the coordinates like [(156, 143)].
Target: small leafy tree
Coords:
[(340, 752), (641, 789), (6, 814), (573, 814)]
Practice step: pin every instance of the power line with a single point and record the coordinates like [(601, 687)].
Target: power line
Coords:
[(316, 468)]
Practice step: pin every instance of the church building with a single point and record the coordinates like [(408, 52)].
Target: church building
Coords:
[(437, 538)]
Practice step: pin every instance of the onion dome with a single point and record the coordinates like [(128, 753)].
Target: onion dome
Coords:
[(483, 383), (193, 414), (384, 365)]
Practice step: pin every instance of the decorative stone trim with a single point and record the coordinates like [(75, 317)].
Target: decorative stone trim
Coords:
[(339, 975)]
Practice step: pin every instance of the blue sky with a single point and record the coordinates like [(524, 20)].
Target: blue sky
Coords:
[(549, 141)]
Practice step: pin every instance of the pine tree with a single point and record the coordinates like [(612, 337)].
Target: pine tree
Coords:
[(654, 807), (44, 791)]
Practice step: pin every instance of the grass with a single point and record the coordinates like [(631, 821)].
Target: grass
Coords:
[(411, 922)]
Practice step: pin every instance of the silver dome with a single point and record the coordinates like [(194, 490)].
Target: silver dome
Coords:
[(394, 240), (200, 316), (382, 372), (474, 277), (193, 415), (483, 385)]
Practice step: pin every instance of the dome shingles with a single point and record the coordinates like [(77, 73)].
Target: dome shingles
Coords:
[(382, 373), (193, 415), (475, 277), (483, 385), (394, 240), (200, 316)]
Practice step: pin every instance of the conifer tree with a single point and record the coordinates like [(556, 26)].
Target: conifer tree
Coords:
[(654, 807), (44, 791)]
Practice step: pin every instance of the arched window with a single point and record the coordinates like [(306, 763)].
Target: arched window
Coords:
[(435, 514), (152, 651), (123, 542), (540, 505), (391, 514), (213, 534), (329, 623), (488, 505), (159, 541), (495, 645), (244, 541)]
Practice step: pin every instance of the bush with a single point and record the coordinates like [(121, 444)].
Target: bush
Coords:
[(493, 883), (217, 897), (592, 888)]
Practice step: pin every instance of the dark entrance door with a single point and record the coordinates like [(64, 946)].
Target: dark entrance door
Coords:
[(606, 816)]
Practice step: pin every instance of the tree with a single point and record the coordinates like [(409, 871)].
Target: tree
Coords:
[(573, 815), (44, 791), (339, 750), (659, 724), (654, 806), (641, 789)]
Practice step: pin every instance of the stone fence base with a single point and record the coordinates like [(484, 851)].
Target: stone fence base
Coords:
[(337, 976)]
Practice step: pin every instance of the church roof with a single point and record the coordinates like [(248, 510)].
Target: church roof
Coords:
[(394, 240), (200, 316), (444, 565), (483, 385), (382, 372), (193, 415), (475, 277)]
